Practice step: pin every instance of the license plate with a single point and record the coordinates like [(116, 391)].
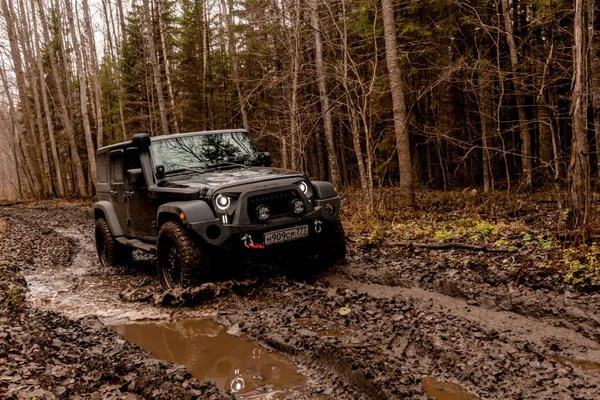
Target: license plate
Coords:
[(285, 235)]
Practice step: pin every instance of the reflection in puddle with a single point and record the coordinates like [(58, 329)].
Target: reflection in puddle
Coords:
[(585, 365), (446, 390), (210, 353)]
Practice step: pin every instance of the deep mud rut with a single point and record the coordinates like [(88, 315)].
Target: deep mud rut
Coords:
[(414, 329)]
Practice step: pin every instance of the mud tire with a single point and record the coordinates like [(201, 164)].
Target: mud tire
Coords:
[(181, 259), (109, 251)]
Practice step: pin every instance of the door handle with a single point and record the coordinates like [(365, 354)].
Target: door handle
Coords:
[(113, 193), (129, 193)]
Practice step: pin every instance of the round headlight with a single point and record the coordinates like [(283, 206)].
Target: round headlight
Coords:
[(223, 202), (304, 187)]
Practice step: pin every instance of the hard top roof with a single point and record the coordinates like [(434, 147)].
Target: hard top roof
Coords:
[(124, 145)]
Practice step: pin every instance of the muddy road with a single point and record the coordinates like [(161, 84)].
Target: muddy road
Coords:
[(391, 323)]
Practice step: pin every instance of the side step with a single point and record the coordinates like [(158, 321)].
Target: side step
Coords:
[(137, 244)]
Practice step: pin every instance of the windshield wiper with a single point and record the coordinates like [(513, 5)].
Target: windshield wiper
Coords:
[(186, 170), (226, 164)]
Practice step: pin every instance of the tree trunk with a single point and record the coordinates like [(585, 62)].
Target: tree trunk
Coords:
[(594, 68), (161, 27), (485, 114), (399, 106), (155, 68), (332, 162), (83, 97), (579, 179), (95, 74), (22, 90), (519, 86), (234, 62), (64, 110), (42, 149), (114, 70), (60, 185)]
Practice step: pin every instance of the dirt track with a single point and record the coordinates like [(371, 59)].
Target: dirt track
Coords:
[(412, 318)]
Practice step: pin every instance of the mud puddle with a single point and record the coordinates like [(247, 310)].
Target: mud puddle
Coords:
[(446, 390), (585, 365), (210, 353)]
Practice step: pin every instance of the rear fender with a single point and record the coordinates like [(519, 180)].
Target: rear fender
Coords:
[(106, 210)]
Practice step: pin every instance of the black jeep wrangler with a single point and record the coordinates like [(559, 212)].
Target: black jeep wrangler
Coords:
[(194, 198)]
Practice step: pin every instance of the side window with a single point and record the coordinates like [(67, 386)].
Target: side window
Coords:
[(103, 168), (116, 166)]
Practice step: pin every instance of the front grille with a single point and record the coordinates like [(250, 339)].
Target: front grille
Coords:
[(277, 202)]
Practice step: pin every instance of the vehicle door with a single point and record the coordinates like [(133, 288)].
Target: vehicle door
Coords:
[(117, 188), (141, 209)]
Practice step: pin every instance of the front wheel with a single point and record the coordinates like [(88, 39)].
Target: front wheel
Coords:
[(181, 259)]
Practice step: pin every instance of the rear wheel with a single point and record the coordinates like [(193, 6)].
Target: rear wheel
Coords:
[(182, 260), (110, 252)]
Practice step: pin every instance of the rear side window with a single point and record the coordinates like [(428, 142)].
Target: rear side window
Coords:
[(103, 168), (117, 170)]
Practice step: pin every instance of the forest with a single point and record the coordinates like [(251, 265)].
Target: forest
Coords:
[(499, 95)]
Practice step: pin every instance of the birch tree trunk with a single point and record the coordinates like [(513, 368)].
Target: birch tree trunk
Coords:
[(64, 110), (95, 74), (83, 97), (60, 185), (164, 123), (398, 103), (579, 175), (332, 162), (25, 38), (8, 11)]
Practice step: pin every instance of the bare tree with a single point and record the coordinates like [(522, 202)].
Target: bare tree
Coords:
[(398, 101), (65, 118), (519, 87), (149, 37), (332, 161), (579, 174)]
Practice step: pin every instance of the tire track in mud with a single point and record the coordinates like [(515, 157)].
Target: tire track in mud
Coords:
[(392, 339)]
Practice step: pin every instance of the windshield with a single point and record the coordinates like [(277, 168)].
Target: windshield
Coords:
[(196, 153)]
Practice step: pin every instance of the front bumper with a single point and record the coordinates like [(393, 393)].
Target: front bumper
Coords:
[(215, 232)]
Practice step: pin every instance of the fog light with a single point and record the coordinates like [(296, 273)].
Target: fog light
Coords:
[(330, 208), (297, 206), (263, 213)]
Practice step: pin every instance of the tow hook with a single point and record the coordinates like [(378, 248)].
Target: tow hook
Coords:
[(247, 239), (318, 226)]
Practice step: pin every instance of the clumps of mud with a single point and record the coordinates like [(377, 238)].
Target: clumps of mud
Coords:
[(193, 296), (48, 356), (45, 355)]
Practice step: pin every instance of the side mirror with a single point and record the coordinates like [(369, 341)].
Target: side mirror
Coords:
[(265, 158), (141, 140), (160, 172), (135, 176)]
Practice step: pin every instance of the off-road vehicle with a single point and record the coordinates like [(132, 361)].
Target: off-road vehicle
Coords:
[(197, 198)]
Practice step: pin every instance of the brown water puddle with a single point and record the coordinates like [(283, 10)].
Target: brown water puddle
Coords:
[(210, 353), (585, 365), (445, 390)]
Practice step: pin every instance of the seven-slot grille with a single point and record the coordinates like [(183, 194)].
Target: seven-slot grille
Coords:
[(279, 204)]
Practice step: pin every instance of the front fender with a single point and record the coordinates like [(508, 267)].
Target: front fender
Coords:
[(195, 211), (323, 190), (110, 214)]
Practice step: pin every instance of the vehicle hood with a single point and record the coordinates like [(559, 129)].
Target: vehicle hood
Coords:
[(231, 176)]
